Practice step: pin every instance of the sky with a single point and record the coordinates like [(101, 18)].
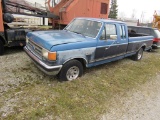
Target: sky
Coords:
[(140, 9)]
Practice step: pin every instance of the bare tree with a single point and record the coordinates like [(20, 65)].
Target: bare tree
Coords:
[(122, 15), (133, 16)]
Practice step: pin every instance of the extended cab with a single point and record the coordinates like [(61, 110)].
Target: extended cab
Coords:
[(85, 42)]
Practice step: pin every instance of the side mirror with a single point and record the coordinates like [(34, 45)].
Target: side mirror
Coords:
[(113, 37)]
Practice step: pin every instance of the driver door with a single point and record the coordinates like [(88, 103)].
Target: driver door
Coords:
[(107, 43)]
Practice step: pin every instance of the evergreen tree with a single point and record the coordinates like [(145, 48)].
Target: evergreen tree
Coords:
[(113, 10)]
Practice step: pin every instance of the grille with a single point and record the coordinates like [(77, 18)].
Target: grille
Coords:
[(37, 50)]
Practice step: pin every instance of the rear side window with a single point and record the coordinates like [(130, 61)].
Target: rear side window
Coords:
[(122, 32)]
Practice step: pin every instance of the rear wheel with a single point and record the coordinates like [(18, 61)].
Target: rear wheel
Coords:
[(150, 50), (138, 55), (71, 71), (1, 48)]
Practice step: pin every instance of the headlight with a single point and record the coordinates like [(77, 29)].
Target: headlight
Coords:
[(27, 39), (45, 53), (49, 55)]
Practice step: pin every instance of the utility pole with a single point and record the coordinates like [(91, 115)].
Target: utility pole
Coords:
[(142, 16), (52, 3)]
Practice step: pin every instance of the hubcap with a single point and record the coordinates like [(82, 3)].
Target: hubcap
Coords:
[(72, 73), (140, 54)]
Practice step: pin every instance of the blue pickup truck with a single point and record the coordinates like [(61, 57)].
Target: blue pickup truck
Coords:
[(85, 42)]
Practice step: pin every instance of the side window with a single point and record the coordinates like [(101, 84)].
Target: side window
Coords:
[(109, 32), (124, 32), (121, 31)]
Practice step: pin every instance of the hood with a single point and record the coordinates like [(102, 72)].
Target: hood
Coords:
[(47, 39)]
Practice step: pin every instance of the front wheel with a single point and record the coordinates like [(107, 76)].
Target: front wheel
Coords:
[(138, 55), (71, 71)]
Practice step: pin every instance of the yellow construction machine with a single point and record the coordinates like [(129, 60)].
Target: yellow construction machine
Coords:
[(156, 21)]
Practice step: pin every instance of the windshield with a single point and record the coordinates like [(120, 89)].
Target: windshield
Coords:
[(84, 27), (157, 33)]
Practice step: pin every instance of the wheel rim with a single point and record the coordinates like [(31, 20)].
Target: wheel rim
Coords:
[(72, 73), (140, 54)]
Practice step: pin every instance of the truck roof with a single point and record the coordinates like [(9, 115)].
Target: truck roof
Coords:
[(101, 20)]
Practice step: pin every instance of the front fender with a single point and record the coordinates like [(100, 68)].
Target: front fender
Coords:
[(77, 58), (87, 54)]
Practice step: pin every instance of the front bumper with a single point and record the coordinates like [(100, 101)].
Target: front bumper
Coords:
[(49, 70)]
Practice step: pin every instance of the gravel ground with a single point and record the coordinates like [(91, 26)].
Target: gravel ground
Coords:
[(16, 68), (12, 64), (142, 103)]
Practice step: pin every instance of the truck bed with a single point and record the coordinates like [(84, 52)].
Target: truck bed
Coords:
[(132, 34), (136, 40)]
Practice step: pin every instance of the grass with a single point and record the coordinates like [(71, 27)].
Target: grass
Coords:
[(83, 99)]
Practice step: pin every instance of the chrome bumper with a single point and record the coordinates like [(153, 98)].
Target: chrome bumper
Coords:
[(49, 70)]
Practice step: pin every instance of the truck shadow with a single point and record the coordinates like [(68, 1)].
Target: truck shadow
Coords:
[(13, 50)]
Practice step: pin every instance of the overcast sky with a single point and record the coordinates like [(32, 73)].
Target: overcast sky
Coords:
[(142, 9)]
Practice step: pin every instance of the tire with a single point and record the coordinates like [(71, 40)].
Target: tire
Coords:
[(1, 48), (71, 71), (149, 50), (138, 56)]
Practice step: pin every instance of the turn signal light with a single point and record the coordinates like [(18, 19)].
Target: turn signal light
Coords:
[(52, 56), (49, 55)]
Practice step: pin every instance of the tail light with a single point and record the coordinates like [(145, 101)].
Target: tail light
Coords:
[(156, 40)]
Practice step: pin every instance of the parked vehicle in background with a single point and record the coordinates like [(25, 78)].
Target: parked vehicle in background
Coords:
[(156, 21), (10, 37), (149, 31), (85, 42)]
